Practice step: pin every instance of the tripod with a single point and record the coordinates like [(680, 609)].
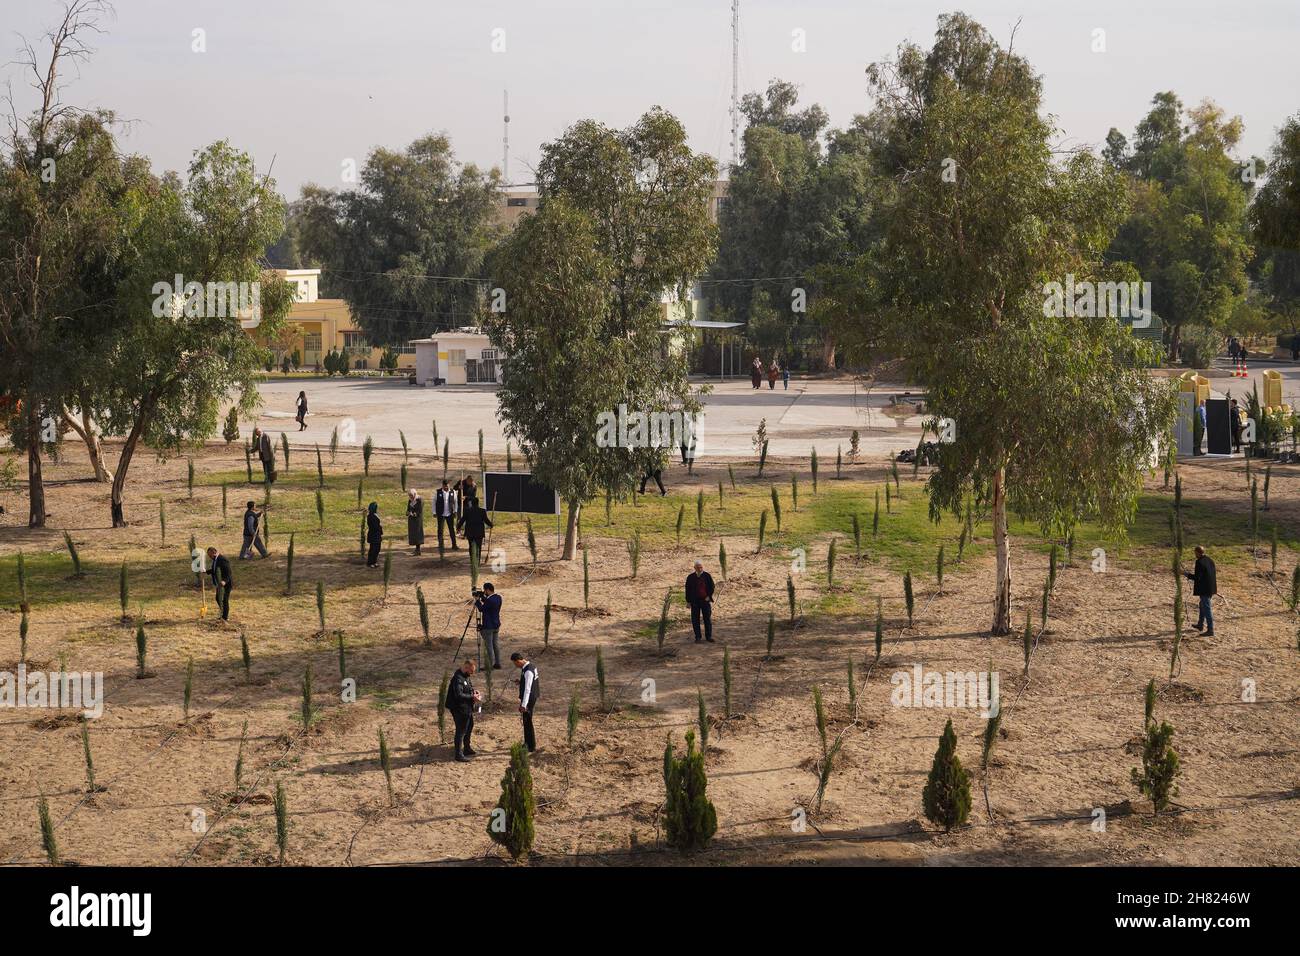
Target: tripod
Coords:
[(475, 618)]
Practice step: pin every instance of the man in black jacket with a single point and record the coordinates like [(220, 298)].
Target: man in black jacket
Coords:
[(530, 691), (222, 580), (1204, 586), (462, 698), (265, 453), (473, 523), (699, 595), (251, 537)]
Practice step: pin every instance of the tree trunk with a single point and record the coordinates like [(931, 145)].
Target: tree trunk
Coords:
[(1002, 602), (571, 532), (1175, 340), (86, 430), (119, 479), (828, 351), (35, 483)]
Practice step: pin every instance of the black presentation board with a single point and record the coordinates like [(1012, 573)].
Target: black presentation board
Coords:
[(1218, 431), (515, 491)]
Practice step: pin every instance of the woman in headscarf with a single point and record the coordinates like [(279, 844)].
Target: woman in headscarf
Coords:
[(302, 411), (374, 534), (414, 519)]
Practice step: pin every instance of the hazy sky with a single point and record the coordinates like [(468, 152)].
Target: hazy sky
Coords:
[(314, 82)]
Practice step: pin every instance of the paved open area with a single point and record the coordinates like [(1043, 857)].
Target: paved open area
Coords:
[(820, 412)]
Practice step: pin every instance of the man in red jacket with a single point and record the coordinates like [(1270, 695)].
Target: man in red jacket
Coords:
[(699, 595)]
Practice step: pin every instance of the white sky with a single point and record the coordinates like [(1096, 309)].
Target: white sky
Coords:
[(314, 82)]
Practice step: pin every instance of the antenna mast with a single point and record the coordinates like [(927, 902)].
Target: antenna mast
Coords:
[(735, 82)]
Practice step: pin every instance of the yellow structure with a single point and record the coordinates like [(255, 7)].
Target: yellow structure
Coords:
[(1191, 382), (1272, 388), (315, 326)]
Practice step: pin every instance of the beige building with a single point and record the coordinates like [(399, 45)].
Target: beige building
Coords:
[(316, 326), (462, 357)]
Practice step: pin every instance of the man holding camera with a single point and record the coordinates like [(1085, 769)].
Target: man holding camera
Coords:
[(462, 699), (488, 603), (530, 690)]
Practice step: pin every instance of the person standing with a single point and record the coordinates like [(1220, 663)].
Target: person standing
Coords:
[(1234, 421), (445, 508), (461, 700), (265, 453), (489, 605), (466, 491), (252, 535), (1200, 411), (756, 373), (374, 534), (785, 377), (473, 524), (414, 519), (530, 691), (772, 372), (699, 595), (1204, 586), (223, 579), (302, 411)]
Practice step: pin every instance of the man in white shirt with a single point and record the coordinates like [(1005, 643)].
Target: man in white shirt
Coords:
[(444, 506), (530, 689)]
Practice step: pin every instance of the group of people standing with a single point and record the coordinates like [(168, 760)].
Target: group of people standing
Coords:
[(774, 371), (456, 508)]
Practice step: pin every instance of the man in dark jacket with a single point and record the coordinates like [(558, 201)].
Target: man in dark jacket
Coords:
[(374, 534), (265, 453), (462, 698), (1204, 586), (445, 508), (699, 595), (489, 604), (530, 691), (222, 580), (252, 539), (474, 524)]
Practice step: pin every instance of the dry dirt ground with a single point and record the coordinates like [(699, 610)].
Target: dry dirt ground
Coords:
[(1067, 746)]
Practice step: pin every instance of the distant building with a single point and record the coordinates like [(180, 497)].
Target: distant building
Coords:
[(315, 326)]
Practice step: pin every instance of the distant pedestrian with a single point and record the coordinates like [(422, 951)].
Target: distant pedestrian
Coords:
[(530, 691), (302, 411), (1204, 586), (756, 373), (414, 519), (1234, 420), (773, 371), (223, 579), (699, 595), (252, 535), (374, 534), (785, 377), (1200, 412), (445, 509)]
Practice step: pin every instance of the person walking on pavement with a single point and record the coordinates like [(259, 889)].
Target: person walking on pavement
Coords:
[(772, 372), (756, 373), (222, 580), (374, 534), (530, 691), (699, 595), (414, 519), (252, 537), (446, 509), (785, 377), (302, 411), (1204, 586), (462, 699)]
